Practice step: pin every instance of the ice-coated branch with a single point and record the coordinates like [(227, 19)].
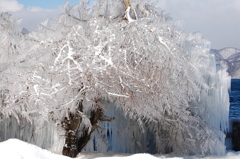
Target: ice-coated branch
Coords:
[(129, 18), (118, 95)]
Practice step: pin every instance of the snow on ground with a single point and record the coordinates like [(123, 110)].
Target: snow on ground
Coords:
[(17, 149)]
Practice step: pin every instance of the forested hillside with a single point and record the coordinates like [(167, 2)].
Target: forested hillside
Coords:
[(230, 59)]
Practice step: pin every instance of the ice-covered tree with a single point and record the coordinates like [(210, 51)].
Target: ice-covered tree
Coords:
[(10, 55), (134, 56)]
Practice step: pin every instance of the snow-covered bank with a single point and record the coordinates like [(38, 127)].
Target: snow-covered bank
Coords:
[(17, 149)]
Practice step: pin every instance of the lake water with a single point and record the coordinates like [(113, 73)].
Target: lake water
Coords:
[(235, 99), (233, 137)]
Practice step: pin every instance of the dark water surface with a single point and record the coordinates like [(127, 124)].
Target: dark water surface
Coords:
[(235, 99), (232, 141)]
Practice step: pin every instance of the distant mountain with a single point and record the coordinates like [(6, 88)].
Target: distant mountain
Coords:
[(230, 59)]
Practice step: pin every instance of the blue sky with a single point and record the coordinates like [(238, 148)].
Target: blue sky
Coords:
[(47, 4), (217, 20)]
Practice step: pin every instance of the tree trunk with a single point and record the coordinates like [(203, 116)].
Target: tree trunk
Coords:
[(127, 4), (73, 143), (70, 124)]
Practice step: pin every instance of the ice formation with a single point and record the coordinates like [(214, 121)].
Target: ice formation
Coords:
[(159, 83), (47, 137)]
